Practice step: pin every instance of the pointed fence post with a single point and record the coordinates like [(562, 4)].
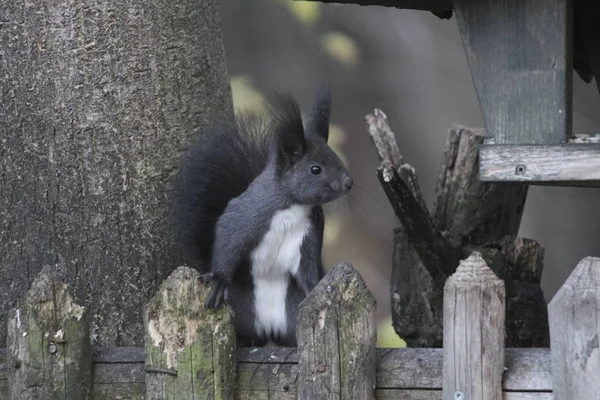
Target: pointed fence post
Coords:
[(336, 338), (191, 352), (49, 349), (575, 332), (473, 332)]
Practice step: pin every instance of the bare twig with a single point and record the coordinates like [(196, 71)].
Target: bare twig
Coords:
[(436, 252), (385, 142)]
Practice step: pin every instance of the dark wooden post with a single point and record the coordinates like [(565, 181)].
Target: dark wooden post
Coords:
[(575, 333), (473, 332), (467, 215), (191, 351), (49, 350), (336, 338), (520, 60)]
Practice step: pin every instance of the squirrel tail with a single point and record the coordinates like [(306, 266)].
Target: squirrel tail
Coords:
[(219, 166)]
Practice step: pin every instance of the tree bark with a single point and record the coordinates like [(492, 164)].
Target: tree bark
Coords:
[(469, 215), (98, 99)]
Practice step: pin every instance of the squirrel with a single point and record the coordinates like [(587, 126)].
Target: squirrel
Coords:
[(248, 208)]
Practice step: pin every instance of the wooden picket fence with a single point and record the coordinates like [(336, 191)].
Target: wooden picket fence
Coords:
[(190, 352)]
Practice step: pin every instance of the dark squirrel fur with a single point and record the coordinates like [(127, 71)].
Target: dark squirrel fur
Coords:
[(237, 177)]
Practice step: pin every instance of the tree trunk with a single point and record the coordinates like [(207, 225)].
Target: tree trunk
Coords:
[(98, 99)]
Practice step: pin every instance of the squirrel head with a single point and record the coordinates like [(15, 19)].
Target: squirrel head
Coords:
[(308, 170)]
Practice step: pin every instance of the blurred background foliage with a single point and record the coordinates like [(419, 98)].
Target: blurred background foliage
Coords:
[(411, 65)]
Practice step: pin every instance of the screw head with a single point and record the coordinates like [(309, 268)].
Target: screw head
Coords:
[(520, 169), (52, 348), (458, 395)]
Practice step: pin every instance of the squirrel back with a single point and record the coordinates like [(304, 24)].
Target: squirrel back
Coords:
[(226, 157), (248, 212), (219, 166)]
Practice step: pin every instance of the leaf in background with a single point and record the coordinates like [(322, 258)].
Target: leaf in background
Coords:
[(245, 96), (333, 226), (387, 336), (307, 12), (341, 47)]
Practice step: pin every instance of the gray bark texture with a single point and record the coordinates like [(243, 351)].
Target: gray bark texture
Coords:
[(98, 101)]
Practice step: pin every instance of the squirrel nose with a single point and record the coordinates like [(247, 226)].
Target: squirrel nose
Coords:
[(348, 183)]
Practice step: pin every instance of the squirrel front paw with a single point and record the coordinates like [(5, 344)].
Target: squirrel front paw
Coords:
[(218, 291)]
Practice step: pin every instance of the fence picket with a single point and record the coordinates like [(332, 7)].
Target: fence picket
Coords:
[(473, 332)]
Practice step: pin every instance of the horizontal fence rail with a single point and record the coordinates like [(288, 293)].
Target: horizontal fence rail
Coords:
[(272, 373), (190, 352)]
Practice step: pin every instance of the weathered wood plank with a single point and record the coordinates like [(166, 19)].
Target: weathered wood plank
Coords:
[(527, 370), (267, 377), (48, 343), (527, 396), (520, 60), (468, 215), (248, 395), (118, 373), (268, 355), (190, 350), (336, 337), (574, 333), (391, 394), (120, 391), (101, 354), (473, 332), (574, 162), (400, 372)]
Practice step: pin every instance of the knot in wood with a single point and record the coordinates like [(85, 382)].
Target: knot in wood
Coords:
[(52, 348)]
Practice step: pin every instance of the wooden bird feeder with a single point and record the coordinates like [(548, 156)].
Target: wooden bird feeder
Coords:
[(521, 54)]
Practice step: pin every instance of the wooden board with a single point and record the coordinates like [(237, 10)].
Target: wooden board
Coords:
[(271, 373), (521, 66), (574, 331), (573, 164)]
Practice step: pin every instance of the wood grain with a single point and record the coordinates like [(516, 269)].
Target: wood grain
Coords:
[(48, 343), (473, 332), (573, 162), (468, 215), (336, 337), (190, 350), (574, 333), (520, 61), (399, 373)]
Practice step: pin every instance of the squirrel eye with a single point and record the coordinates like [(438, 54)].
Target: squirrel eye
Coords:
[(315, 169)]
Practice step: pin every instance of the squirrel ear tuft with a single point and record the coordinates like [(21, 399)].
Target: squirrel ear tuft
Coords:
[(318, 122), (287, 127)]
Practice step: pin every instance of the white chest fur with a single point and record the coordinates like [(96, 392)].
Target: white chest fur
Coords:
[(276, 257)]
